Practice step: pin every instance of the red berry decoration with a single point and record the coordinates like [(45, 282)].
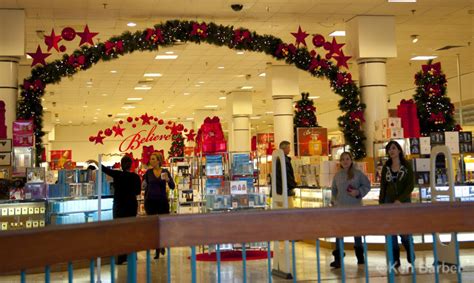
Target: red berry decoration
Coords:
[(129, 119), (156, 119), (136, 119), (120, 122), (327, 45), (108, 132), (101, 132), (91, 138), (134, 125), (185, 130), (169, 122), (68, 34), (62, 48), (318, 40), (161, 122), (328, 56)]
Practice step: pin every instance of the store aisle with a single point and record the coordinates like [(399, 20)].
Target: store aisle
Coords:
[(257, 269)]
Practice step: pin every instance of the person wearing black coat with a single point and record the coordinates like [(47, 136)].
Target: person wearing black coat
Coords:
[(127, 186), (290, 176)]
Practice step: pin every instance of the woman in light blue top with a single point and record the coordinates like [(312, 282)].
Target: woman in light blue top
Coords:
[(348, 188)]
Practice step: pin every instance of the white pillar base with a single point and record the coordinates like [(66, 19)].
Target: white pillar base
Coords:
[(9, 89)]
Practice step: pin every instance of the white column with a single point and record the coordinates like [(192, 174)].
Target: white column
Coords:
[(371, 40), (9, 89), (239, 106), (282, 86)]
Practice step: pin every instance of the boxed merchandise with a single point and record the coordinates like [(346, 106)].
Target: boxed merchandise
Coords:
[(214, 165), (241, 164), (36, 191), (213, 185), (437, 138), (218, 201), (422, 164), (451, 137), (240, 201), (256, 200), (465, 137), (35, 175), (238, 187), (425, 145), (414, 145), (394, 133), (391, 122)]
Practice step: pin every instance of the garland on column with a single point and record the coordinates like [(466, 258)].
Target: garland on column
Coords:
[(177, 146), (305, 112), (170, 32), (435, 110)]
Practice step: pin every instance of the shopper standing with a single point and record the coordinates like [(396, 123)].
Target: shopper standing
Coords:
[(290, 176), (396, 186), (156, 198), (348, 188), (126, 188)]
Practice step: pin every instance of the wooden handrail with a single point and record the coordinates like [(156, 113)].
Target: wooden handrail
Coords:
[(55, 244)]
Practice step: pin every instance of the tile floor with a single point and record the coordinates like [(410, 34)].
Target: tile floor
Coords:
[(257, 269)]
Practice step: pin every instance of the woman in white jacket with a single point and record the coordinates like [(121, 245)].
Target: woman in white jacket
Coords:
[(348, 188)]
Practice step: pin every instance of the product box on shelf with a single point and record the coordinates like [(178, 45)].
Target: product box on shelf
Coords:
[(256, 200), (425, 145), (36, 191), (240, 201), (241, 164), (213, 185), (391, 122), (414, 145), (437, 138), (35, 175), (214, 165), (5, 145), (218, 202), (393, 133), (465, 137), (238, 187), (422, 164)]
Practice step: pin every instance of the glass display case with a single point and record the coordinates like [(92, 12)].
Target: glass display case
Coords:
[(17, 215)]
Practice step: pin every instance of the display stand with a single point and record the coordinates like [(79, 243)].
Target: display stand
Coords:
[(281, 259), (446, 252)]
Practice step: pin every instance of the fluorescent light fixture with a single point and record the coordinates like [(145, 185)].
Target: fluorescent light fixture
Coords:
[(169, 52), (149, 79), (104, 94), (134, 98), (246, 87), (197, 85), (166, 57), (122, 114), (186, 93), (211, 106), (255, 117), (220, 67), (117, 120), (89, 82), (240, 52), (423, 58), (131, 24), (314, 97), (98, 109), (142, 88), (85, 106), (262, 74), (128, 107), (338, 33), (401, 1), (28, 57), (190, 118), (222, 98), (201, 82), (153, 75), (269, 112), (113, 71)]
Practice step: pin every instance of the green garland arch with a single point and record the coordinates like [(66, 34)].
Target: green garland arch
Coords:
[(170, 32)]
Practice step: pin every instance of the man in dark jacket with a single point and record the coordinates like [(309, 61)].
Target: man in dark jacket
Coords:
[(290, 177)]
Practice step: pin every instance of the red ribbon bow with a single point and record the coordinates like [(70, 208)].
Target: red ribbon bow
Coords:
[(437, 118), (436, 67), (200, 30), (76, 61), (154, 34), (284, 50), (110, 45), (409, 101), (241, 35), (357, 115), (343, 79), (36, 85)]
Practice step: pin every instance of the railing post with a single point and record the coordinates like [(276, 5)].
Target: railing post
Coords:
[(132, 268), (193, 264), (318, 264), (390, 263)]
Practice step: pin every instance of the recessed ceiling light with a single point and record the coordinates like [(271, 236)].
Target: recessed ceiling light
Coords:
[(95, 118), (269, 112), (166, 57), (190, 118), (152, 75), (414, 38), (131, 24), (186, 93), (246, 87), (28, 57), (113, 71), (220, 67), (85, 106), (104, 94), (240, 52), (314, 97), (122, 114), (197, 85), (169, 52), (423, 58), (142, 88), (70, 122), (338, 33), (201, 82), (134, 98), (222, 98), (211, 106), (128, 107), (262, 74), (98, 109), (255, 117)]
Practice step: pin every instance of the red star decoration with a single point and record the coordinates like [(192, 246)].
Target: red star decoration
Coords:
[(38, 56), (146, 119), (342, 60), (191, 135), (336, 47), (118, 131), (300, 36), (99, 138), (86, 36), (52, 40)]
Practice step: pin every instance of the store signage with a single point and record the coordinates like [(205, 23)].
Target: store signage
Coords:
[(135, 141), (312, 141)]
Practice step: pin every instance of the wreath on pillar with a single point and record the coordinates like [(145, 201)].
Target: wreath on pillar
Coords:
[(170, 32)]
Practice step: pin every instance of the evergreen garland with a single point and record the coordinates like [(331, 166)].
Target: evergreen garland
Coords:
[(435, 110), (170, 32), (177, 146)]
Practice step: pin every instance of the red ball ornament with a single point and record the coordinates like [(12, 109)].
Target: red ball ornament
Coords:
[(185, 130), (101, 132), (129, 119), (328, 56), (169, 122), (136, 118), (327, 45), (155, 119), (108, 132), (134, 126), (62, 48), (318, 40), (160, 122), (120, 122), (68, 34), (91, 138)]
